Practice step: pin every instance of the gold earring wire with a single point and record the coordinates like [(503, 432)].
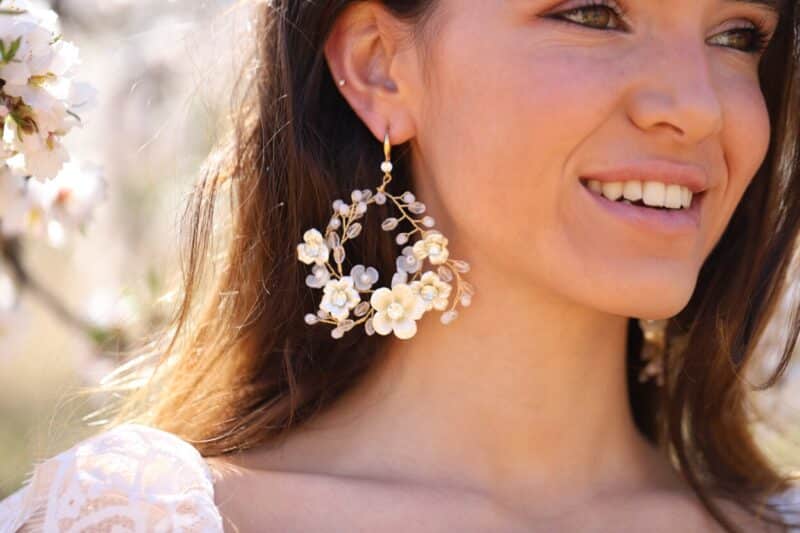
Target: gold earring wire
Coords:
[(653, 349)]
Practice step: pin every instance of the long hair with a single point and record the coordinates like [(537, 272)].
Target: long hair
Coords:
[(236, 366)]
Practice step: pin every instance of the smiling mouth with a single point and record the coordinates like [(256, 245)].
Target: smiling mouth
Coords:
[(641, 216), (661, 197)]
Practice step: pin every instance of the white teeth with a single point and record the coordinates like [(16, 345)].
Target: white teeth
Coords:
[(612, 190), (686, 197), (651, 193), (672, 196), (632, 190)]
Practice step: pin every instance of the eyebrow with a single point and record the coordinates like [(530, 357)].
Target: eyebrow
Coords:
[(774, 5)]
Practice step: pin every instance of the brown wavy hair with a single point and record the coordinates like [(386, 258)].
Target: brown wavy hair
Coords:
[(237, 366)]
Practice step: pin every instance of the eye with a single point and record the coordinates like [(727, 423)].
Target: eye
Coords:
[(593, 14), (608, 14), (753, 39)]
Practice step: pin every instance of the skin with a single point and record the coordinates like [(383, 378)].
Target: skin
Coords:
[(515, 416)]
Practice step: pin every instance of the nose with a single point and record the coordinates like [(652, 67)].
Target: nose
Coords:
[(675, 91)]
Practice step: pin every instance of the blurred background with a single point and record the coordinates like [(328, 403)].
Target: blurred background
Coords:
[(163, 70)]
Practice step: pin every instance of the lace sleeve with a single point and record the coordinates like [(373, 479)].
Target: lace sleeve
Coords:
[(790, 503), (128, 478)]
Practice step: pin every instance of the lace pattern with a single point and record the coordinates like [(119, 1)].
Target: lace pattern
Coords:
[(131, 478)]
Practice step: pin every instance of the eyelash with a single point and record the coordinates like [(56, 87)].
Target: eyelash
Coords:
[(759, 32)]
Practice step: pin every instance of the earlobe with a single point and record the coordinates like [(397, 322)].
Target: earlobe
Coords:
[(360, 50)]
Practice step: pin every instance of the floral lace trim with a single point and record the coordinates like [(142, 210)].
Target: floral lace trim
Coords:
[(129, 478)]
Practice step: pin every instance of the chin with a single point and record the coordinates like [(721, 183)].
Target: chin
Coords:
[(653, 294)]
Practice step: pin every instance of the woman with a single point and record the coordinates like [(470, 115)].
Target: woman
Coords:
[(584, 164)]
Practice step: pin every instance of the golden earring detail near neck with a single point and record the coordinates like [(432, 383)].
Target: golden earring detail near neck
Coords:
[(653, 350), (412, 292)]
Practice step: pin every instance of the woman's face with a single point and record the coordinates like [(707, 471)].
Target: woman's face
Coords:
[(528, 97)]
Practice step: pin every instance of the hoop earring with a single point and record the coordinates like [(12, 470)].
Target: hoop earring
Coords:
[(653, 350), (393, 309)]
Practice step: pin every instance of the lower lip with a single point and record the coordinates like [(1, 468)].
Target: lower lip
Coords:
[(663, 221)]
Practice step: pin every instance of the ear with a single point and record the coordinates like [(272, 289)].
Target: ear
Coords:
[(365, 49)]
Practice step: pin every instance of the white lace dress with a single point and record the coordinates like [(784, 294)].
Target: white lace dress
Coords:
[(130, 478)]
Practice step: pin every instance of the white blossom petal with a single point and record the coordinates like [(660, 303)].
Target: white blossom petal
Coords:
[(381, 323), (405, 329)]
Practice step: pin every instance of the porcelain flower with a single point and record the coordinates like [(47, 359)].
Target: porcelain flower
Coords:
[(408, 262), (339, 296), (319, 277), (399, 277), (433, 246), (433, 291), (397, 309), (364, 278), (313, 249)]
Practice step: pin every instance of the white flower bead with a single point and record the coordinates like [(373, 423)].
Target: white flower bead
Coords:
[(313, 249), (339, 297), (433, 291), (433, 246), (448, 316), (380, 198), (364, 278), (408, 262), (397, 310), (319, 276), (399, 277)]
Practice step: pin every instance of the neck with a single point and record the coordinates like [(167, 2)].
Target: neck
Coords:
[(522, 394)]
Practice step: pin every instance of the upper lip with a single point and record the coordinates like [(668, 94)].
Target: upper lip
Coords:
[(690, 176)]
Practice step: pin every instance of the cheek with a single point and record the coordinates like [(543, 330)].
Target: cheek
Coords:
[(745, 142), (500, 140), (503, 131)]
